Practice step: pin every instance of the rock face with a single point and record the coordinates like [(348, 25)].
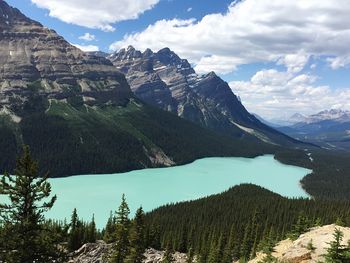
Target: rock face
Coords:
[(98, 253), (165, 80), (30, 53), (296, 251)]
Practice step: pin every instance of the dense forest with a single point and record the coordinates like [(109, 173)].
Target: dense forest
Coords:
[(239, 221), (330, 177), (110, 138)]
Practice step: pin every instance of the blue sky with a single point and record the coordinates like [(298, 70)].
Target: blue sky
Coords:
[(280, 57)]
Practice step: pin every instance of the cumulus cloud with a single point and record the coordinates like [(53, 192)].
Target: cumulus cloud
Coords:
[(272, 93), (86, 48), (87, 37), (282, 31), (93, 14)]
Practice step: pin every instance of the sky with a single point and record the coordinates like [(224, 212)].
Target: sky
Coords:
[(279, 56)]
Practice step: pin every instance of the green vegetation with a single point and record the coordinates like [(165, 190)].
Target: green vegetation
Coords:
[(112, 138), (239, 222), (24, 236), (337, 253), (122, 243), (79, 232), (331, 171)]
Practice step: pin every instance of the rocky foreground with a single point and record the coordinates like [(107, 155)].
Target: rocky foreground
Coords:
[(297, 251), (285, 251), (98, 253)]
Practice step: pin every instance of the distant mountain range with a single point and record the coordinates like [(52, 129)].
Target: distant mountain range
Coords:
[(328, 128), (79, 115)]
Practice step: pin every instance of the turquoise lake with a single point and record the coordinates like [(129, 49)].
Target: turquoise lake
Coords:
[(151, 188)]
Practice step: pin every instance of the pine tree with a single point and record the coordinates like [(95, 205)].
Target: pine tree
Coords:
[(214, 253), (92, 232), (74, 236), (109, 232), (227, 255), (29, 196), (247, 242), (336, 250), (137, 238), (121, 248), (300, 227)]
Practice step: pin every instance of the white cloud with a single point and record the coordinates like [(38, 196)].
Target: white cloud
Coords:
[(282, 31), (87, 37), (189, 9), (86, 48), (273, 93), (93, 14), (339, 62)]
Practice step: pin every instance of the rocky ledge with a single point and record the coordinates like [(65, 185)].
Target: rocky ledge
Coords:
[(297, 251), (98, 253)]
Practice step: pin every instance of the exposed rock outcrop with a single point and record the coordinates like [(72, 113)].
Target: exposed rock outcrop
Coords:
[(297, 251), (32, 54), (98, 253)]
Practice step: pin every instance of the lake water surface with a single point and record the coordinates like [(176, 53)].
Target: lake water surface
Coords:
[(151, 188)]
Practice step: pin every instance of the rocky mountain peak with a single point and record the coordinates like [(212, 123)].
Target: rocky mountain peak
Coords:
[(165, 80), (31, 53), (147, 53), (10, 16)]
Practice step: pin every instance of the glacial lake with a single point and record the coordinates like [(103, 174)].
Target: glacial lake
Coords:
[(151, 188)]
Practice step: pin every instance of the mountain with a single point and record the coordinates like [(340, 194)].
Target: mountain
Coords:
[(165, 80), (297, 117), (337, 115), (328, 128), (263, 120), (79, 115), (32, 53)]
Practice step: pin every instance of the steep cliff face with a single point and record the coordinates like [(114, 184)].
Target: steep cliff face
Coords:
[(29, 53), (165, 80)]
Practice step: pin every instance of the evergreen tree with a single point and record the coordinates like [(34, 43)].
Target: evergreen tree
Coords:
[(335, 252), (27, 239), (109, 232), (137, 238), (214, 253), (339, 222), (92, 232), (153, 238), (227, 255), (310, 246), (300, 227), (74, 236), (121, 248)]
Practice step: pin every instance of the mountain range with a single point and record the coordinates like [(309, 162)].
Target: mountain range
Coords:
[(165, 80), (79, 115), (328, 128)]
